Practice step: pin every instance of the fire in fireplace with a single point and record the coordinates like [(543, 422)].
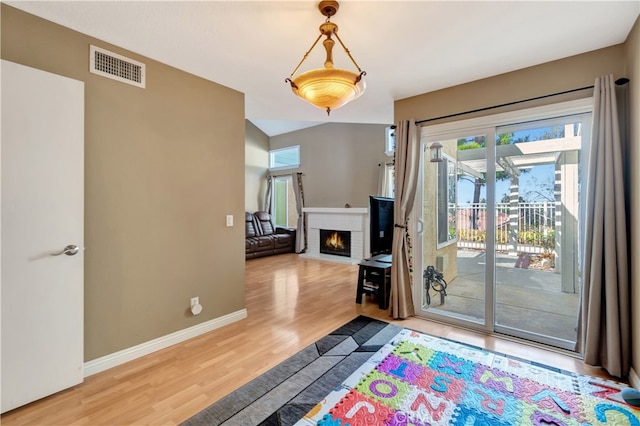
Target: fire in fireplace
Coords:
[(335, 242)]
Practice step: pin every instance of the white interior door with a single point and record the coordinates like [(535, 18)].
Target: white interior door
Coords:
[(42, 171)]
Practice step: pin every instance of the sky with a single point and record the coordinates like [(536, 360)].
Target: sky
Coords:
[(534, 185)]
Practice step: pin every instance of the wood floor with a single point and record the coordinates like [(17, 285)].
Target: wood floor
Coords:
[(291, 303)]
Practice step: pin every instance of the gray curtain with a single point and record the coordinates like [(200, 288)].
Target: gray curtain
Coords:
[(407, 163), (301, 240), (604, 334), (269, 194)]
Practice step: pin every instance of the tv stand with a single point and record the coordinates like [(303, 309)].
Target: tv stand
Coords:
[(374, 278)]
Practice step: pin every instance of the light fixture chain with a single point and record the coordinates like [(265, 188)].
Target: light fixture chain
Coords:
[(304, 58), (347, 51)]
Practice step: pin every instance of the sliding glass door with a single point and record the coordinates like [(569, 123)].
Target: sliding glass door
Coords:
[(537, 229), (454, 209), (500, 220)]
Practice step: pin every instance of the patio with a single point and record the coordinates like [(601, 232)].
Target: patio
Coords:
[(527, 299)]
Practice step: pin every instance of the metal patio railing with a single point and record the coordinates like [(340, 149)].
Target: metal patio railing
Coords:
[(528, 227)]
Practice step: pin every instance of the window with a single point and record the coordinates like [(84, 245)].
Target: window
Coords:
[(284, 158), (390, 141)]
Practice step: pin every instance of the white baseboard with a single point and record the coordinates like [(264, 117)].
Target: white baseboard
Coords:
[(117, 358), (634, 379)]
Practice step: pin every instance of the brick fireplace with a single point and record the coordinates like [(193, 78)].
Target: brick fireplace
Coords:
[(354, 221)]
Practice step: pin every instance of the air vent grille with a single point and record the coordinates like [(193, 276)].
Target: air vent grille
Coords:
[(116, 67)]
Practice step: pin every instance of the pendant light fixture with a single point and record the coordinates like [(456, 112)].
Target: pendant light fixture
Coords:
[(328, 88)]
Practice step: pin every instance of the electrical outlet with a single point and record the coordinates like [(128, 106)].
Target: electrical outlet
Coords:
[(195, 301), (229, 220)]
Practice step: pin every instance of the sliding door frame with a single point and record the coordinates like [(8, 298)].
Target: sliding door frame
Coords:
[(485, 125)]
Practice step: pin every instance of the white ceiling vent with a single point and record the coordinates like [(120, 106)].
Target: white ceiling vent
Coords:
[(116, 67)]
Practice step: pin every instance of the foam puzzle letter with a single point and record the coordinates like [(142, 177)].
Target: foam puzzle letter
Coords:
[(601, 415), (361, 404), (496, 407), (436, 412), (542, 419), (399, 371), (373, 387), (490, 375), (609, 391), (440, 383), (548, 393), (453, 365)]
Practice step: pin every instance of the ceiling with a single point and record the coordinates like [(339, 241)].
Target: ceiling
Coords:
[(406, 47)]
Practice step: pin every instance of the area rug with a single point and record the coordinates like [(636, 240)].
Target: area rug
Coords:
[(422, 380), (284, 394), (369, 372)]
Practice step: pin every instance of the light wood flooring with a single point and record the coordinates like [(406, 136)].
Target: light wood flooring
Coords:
[(291, 303)]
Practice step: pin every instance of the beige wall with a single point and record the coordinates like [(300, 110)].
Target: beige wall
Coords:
[(163, 167), (552, 77), (632, 50), (339, 162), (256, 165)]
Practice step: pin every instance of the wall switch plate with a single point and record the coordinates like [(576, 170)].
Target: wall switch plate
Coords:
[(195, 301), (229, 220)]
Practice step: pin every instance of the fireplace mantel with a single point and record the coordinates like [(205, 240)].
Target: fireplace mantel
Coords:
[(353, 219), (336, 210)]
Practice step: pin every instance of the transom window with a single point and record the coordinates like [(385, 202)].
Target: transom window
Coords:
[(284, 158)]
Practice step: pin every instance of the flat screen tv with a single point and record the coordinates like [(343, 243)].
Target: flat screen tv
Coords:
[(380, 225)]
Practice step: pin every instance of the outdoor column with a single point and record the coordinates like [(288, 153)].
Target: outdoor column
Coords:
[(567, 226)]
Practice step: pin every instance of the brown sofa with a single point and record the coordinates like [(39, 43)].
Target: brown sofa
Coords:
[(263, 238)]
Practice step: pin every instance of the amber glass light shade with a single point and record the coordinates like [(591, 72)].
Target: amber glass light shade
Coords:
[(328, 88)]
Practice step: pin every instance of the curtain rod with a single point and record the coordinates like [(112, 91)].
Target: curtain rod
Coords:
[(621, 81), (283, 174)]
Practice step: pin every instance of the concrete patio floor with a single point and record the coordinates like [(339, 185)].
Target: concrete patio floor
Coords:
[(527, 299)]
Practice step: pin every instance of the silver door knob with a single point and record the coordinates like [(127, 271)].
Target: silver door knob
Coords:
[(69, 250)]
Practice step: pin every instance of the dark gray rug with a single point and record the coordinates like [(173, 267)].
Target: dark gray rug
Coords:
[(284, 394)]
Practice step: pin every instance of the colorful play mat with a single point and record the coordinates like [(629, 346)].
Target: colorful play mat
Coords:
[(419, 380)]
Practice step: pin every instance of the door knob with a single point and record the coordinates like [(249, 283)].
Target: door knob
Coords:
[(69, 250)]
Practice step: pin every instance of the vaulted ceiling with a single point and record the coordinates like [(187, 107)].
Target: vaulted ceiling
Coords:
[(406, 47)]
